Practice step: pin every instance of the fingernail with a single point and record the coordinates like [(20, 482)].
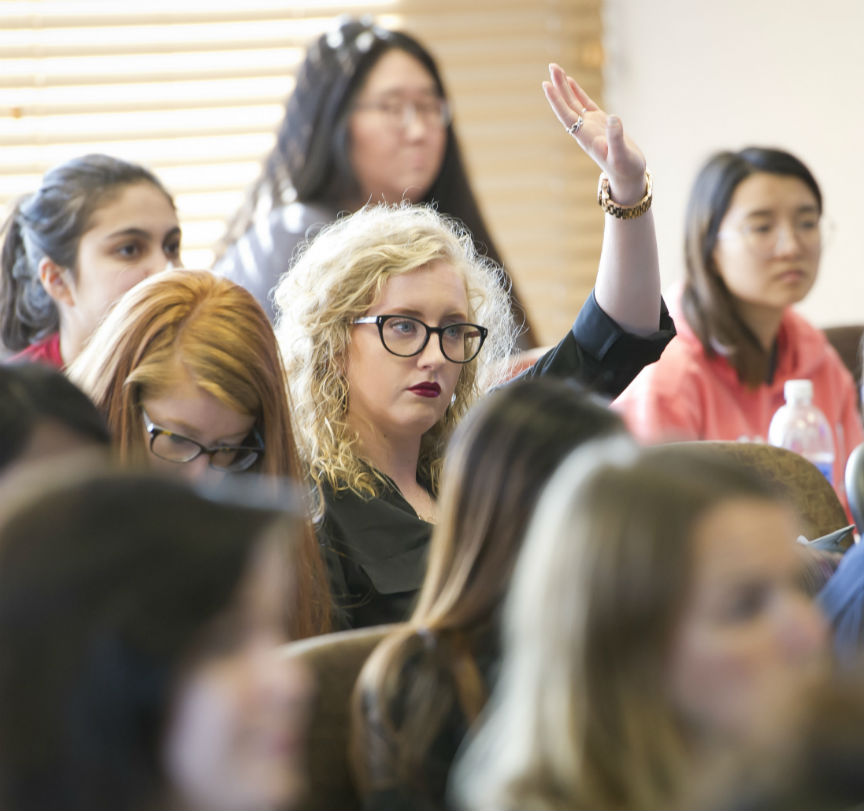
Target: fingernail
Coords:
[(613, 120)]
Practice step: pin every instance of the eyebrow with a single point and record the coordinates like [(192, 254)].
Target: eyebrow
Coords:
[(770, 212), (405, 92), (420, 317), (141, 232)]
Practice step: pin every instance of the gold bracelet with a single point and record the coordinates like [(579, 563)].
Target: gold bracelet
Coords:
[(608, 205)]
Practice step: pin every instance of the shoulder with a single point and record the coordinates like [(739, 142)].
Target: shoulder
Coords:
[(298, 218), (46, 351), (276, 235), (667, 399), (798, 328), (811, 350), (681, 365)]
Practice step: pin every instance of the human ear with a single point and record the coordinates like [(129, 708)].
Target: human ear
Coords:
[(57, 281)]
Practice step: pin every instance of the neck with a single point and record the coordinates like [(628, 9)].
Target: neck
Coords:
[(72, 341), (764, 322), (396, 457)]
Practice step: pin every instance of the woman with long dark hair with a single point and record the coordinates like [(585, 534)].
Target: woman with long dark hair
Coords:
[(368, 121), (753, 240)]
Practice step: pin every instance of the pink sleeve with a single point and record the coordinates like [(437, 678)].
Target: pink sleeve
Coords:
[(655, 410)]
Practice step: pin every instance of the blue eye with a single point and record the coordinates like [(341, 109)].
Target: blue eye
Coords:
[(404, 326)]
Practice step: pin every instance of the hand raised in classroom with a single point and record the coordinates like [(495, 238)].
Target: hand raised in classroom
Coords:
[(600, 135)]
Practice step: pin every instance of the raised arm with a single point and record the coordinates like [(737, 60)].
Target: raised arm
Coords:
[(628, 277)]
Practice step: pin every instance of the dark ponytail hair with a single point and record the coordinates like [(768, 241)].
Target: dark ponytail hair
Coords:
[(51, 222)]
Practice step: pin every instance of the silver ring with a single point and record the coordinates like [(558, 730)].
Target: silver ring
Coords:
[(575, 126)]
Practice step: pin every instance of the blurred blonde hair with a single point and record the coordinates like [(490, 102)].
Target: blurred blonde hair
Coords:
[(191, 323), (582, 716), (336, 279)]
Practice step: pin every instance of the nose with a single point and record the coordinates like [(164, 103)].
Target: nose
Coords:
[(198, 470), (788, 240), (154, 268), (414, 125), (432, 354)]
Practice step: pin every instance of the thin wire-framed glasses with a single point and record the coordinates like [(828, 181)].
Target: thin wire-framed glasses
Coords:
[(405, 336), (400, 113), (174, 447), (762, 237)]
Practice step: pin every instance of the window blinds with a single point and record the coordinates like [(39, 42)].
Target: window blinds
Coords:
[(196, 92)]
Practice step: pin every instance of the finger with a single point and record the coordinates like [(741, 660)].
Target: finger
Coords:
[(615, 138), (561, 109), (622, 152), (587, 102), (562, 83)]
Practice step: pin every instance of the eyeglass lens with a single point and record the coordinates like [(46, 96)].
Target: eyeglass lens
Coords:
[(401, 112), (408, 336), (764, 237), (176, 448)]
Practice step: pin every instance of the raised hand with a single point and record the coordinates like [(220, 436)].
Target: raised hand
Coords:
[(599, 134)]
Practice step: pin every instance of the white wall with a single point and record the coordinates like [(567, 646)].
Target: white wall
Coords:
[(689, 77)]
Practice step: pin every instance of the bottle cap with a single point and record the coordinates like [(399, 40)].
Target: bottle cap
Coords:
[(798, 390)]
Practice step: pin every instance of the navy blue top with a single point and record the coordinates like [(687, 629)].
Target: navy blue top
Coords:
[(842, 602)]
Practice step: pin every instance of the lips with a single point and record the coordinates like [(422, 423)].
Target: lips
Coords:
[(427, 389), (792, 276)]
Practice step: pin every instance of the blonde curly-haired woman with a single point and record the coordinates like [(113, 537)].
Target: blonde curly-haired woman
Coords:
[(391, 326)]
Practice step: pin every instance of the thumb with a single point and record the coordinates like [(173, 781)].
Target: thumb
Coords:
[(615, 137)]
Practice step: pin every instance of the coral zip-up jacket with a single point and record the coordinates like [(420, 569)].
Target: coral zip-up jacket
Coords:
[(687, 395)]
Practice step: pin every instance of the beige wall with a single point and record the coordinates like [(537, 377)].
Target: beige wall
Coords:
[(691, 76)]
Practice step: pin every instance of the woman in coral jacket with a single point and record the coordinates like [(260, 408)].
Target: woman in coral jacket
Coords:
[(753, 242)]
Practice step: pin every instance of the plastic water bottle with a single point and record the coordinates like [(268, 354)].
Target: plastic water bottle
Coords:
[(801, 427)]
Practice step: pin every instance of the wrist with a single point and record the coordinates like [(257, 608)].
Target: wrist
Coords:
[(625, 204)]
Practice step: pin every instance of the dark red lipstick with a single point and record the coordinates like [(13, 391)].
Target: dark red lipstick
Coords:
[(426, 389)]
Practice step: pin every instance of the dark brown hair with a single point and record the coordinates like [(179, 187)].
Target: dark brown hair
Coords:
[(109, 586), (50, 222), (311, 159), (709, 306)]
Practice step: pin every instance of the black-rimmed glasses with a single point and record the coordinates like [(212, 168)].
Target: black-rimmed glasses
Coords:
[(405, 336), (174, 447)]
